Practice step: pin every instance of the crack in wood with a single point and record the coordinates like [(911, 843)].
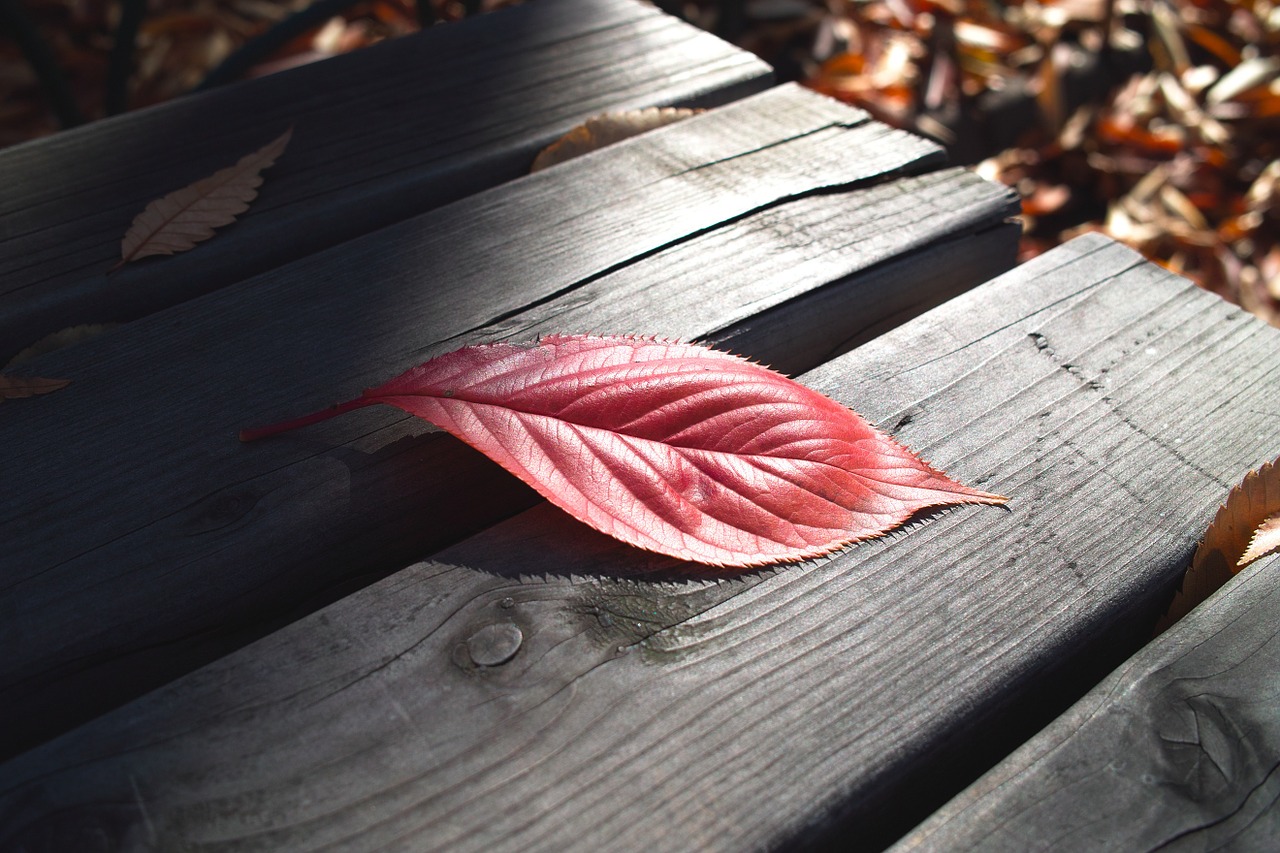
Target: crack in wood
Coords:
[(567, 290), (1206, 828), (1094, 385), (790, 140)]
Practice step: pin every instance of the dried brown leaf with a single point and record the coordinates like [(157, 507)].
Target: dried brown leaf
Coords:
[(16, 387), (606, 129), (1227, 543), (188, 216), (1248, 75), (1266, 539), (990, 35), (1179, 204), (1264, 192), (1167, 46), (1050, 96), (58, 340), (1255, 499), (1212, 42)]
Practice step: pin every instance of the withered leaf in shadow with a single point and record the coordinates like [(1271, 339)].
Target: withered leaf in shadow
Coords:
[(606, 129), (18, 387), (189, 216), (60, 339)]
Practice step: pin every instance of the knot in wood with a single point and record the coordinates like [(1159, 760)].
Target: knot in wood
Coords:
[(494, 645)]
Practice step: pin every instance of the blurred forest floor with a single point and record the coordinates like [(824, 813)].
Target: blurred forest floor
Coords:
[(1155, 121)]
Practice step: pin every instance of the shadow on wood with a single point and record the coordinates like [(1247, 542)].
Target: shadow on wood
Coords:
[(380, 135), (513, 693), (145, 541)]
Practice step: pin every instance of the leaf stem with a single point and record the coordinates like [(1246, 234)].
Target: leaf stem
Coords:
[(256, 433)]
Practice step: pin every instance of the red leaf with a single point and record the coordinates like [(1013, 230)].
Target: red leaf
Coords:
[(672, 447)]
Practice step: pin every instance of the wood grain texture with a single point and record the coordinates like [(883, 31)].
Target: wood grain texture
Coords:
[(652, 705), (380, 135), (145, 540), (1177, 750)]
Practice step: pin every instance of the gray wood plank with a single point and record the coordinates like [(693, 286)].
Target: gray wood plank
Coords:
[(655, 705), (379, 135), (144, 540), (1177, 750)]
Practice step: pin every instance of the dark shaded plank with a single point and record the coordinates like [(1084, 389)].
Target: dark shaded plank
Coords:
[(650, 704), (1179, 749), (145, 540), (379, 135)]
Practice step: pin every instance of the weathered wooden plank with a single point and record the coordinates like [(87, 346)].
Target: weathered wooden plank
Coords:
[(1177, 750), (654, 705), (144, 540), (379, 135)]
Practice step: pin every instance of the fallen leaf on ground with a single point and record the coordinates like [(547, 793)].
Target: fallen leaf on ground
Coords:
[(58, 340), (17, 387), (1227, 547), (189, 216), (1266, 539), (606, 129), (672, 447)]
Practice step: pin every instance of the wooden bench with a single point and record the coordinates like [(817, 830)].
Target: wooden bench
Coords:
[(133, 498), (1176, 750), (542, 686), (381, 640), (379, 136)]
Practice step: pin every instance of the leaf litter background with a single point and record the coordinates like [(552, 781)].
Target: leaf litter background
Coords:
[(1155, 121)]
